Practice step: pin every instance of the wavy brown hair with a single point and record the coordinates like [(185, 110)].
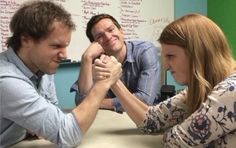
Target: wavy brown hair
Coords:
[(208, 50), (35, 18)]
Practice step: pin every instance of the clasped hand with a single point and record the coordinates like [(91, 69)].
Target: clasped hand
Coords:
[(107, 69)]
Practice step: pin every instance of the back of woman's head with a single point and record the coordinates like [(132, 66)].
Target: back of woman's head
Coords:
[(207, 49)]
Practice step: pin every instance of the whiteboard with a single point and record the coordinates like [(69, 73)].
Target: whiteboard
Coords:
[(140, 19)]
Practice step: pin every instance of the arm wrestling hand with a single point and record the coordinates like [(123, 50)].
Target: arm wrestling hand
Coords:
[(94, 50), (107, 69)]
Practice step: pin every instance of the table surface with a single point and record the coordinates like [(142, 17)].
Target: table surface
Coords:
[(109, 130)]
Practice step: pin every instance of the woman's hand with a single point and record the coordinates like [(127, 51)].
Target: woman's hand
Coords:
[(107, 69)]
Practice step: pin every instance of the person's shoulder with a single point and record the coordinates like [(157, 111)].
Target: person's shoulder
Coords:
[(141, 46), (6, 66), (231, 77), (140, 43), (8, 69), (227, 83)]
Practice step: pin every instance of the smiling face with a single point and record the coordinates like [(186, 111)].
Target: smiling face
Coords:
[(177, 62), (45, 55), (106, 33)]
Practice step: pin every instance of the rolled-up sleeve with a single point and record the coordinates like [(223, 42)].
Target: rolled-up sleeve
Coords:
[(148, 86), (141, 73)]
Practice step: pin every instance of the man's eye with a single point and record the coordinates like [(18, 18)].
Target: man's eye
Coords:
[(111, 29), (98, 36), (170, 56), (56, 46)]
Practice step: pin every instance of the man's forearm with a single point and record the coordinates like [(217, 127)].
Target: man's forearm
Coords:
[(85, 81), (107, 104), (85, 113)]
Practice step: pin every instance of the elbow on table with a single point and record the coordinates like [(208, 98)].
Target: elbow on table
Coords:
[(69, 143)]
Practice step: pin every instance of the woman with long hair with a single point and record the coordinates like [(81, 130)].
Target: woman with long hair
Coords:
[(197, 53)]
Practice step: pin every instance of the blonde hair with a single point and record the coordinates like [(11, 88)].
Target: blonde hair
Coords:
[(208, 50)]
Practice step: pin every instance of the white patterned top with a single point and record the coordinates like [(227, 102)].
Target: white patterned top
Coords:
[(212, 125)]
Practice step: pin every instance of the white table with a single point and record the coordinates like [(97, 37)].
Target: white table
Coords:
[(109, 130)]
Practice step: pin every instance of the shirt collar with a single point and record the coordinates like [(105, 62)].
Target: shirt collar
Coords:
[(129, 56), (13, 58)]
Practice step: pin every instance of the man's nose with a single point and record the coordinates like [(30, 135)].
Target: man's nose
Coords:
[(166, 65), (63, 54), (108, 35)]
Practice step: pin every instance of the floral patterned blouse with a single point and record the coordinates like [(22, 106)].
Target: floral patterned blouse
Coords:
[(212, 125)]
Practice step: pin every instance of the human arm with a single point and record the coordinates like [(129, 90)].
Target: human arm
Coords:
[(107, 104), (85, 80), (139, 112), (211, 123), (135, 108), (112, 104), (141, 74), (147, 87), (26, 108), (97, 93)]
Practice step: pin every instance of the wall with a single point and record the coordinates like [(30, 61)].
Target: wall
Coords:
[(135, 18), (67, 74), (223, 13)]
